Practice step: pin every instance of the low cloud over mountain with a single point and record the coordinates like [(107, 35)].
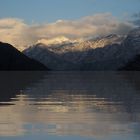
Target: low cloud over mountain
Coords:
[(21, 34), (136, 18), (111, 52)]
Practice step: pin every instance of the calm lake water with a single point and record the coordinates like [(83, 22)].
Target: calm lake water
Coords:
[(70, 105)]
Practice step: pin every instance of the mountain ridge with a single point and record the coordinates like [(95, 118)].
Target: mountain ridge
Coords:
[(13, 60), (110, 52)]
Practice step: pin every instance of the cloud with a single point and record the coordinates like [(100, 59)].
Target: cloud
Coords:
[(17, 32), (14, 31), (136, 15), (136, 19)]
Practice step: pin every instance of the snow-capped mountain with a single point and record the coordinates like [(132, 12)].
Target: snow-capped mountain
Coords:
[(103, 53), (55, 41)]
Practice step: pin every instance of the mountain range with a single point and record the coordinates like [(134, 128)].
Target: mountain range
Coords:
[(111, 52)]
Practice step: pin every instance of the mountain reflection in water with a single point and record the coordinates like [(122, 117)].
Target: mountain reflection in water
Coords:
[(98, 105)]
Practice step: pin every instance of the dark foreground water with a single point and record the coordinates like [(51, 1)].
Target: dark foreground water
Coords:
[(70, 105)]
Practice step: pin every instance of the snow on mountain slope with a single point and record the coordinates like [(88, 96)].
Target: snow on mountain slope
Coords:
[(54, 41), (103, 53), (62, 44), (133, 39)]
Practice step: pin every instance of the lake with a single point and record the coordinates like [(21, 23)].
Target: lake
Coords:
[(70, 105)]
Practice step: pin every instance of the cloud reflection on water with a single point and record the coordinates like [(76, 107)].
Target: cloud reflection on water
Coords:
[(96, 104)]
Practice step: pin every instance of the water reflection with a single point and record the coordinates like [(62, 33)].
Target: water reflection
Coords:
[(84, 104)]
